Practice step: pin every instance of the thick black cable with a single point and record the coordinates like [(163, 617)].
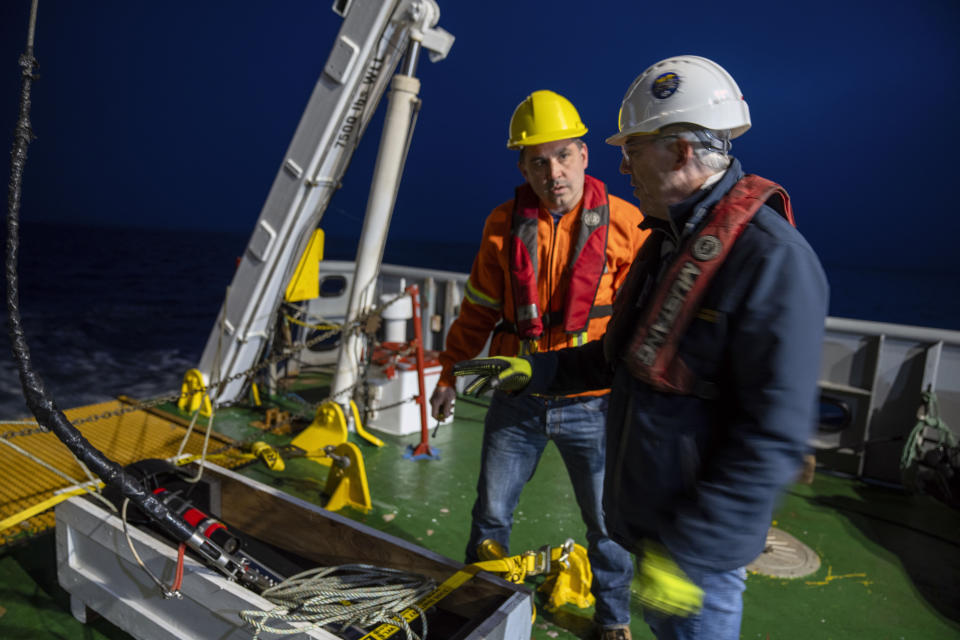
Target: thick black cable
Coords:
[(38, 400)]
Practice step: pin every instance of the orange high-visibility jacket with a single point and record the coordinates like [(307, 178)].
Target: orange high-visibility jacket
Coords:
[(489, 296)]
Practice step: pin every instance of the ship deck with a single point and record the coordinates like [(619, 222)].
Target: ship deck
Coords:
[(890, 562)]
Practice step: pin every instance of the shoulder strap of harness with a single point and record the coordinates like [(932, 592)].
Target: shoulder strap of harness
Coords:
[(652, 353), (589, 256), (523, 262)]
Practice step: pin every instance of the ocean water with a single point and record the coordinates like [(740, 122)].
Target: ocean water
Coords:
[(112, 311)]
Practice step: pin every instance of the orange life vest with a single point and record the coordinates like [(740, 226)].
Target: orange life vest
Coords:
[(652, 353), (587, 260)]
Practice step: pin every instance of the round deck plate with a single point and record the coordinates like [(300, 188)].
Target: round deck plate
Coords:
[(785, 557)]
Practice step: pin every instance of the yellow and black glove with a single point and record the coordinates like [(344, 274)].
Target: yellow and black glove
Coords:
[(663, 586), (498, 372)]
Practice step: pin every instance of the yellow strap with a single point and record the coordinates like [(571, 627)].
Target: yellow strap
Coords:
[(410, 614), (40, 507), (317, 327)]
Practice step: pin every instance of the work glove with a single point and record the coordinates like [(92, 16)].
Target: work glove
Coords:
[(663, 586), (498, 372), (441, 402)]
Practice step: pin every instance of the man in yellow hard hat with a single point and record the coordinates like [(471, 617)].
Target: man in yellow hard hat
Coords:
[(544, 278)]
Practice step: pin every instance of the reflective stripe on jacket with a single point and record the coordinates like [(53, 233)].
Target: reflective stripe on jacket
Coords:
[(489, 297)]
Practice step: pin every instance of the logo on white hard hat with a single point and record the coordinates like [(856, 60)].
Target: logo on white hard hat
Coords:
[(665, 85)]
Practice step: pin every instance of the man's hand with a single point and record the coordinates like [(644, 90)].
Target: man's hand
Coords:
[(498, 372), (663, 586), (441, 402)]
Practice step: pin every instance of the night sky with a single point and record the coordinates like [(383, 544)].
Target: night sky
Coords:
[(177, 114)]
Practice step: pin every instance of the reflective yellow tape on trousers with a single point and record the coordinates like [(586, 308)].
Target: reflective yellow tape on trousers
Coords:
[(410, 614)]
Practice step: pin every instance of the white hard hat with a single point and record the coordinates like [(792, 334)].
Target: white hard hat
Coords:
[(686, 89)]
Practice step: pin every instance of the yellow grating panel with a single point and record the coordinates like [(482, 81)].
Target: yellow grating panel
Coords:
[(124, 439)]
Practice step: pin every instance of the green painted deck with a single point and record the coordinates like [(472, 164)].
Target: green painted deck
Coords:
[(890, 561)]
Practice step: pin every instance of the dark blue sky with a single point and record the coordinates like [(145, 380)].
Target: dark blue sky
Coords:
[(177, 114)]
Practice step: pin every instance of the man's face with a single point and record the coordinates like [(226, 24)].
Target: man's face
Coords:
[(649, 163), (555, 171)]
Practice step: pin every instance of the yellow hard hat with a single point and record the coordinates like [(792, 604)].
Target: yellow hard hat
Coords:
[(544, 116)]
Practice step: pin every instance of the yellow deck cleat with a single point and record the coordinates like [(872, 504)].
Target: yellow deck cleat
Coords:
[(347, 481), (329, 427), (363, 433), (193, 394)]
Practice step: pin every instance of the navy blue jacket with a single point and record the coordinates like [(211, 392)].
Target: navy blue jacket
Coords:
[(702, 474)]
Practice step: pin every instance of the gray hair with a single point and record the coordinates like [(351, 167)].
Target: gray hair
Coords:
[(711, 148)]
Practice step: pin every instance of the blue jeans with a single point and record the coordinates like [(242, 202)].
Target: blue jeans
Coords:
[(516, 431), (722, 608)]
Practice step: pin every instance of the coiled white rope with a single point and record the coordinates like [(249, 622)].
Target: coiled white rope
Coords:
[(351, 594)]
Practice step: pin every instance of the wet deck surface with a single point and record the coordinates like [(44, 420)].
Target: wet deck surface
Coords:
[(890, 562)]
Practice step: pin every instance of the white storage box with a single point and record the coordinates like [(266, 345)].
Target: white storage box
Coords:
[(393, 384)]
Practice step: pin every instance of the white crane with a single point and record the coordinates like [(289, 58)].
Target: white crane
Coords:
[(373, 39)]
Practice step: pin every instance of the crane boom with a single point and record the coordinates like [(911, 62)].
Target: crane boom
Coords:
[(371, 42)]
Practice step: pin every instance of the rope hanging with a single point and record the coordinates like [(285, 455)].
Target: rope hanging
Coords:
[(928, 416)]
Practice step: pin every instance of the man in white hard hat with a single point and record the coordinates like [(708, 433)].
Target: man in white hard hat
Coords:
[(713, 353), (544, 278)]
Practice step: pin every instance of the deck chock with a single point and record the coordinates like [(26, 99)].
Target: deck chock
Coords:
[(421, 452), (347, 481), (358, 425), (329, 427), (193, 394)]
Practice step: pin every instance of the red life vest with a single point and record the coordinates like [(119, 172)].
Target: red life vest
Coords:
[(587, 260), (652, 354)]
